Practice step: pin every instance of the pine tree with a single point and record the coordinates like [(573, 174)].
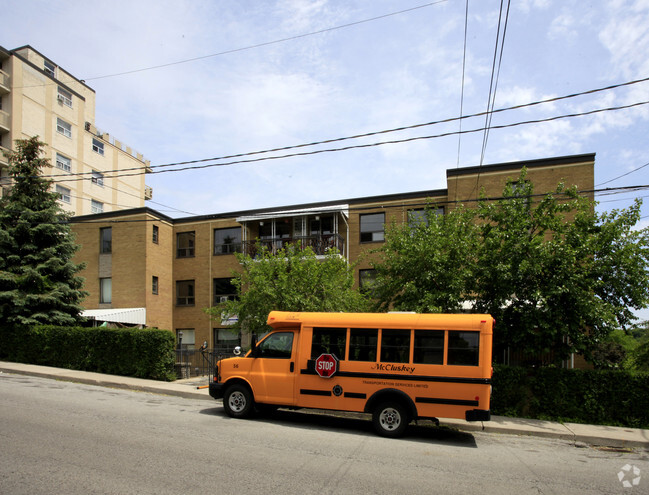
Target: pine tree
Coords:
[(38, 279)]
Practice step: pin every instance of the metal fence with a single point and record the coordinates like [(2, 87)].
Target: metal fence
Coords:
[(199, 362)]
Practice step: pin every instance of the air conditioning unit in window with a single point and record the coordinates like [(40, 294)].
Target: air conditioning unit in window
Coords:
[(223, 299), (60, 98)]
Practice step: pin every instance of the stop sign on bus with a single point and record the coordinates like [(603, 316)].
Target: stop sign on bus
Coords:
[(326, 365)]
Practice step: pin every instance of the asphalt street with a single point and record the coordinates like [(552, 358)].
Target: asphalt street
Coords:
[(64, 437)]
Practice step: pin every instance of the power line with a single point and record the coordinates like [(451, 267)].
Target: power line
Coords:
[(361, 146), (624, 175), (375, 133), (428, 202), (258, 45)]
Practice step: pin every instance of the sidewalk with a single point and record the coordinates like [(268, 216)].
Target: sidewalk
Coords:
[(607, 436)]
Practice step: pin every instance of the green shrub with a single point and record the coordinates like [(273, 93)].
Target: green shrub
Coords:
[(147, 353), (610, 397)]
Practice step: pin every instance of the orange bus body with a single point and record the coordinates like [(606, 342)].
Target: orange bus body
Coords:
[(397, 366)]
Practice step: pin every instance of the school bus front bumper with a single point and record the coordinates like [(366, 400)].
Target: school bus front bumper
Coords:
[(216, 390)]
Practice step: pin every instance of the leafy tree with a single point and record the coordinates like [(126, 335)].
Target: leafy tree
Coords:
[(426, 265), (38, 281), (557, 276), (292, 279)]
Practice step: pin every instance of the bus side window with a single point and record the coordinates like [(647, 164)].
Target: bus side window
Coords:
[(463, 348), (395, 346), (329, 341), (429, 347), (362, 344)]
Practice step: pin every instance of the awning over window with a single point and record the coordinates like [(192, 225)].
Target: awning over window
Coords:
[(132, 316)]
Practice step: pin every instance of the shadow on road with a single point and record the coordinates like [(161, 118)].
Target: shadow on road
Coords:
[(356, 423)]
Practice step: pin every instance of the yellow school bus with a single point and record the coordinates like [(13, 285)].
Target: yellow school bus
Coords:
[(397, 366)]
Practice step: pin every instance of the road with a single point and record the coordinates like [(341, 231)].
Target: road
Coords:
[(60, 437)]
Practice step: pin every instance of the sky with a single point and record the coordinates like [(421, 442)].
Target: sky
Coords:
[(192, 80)]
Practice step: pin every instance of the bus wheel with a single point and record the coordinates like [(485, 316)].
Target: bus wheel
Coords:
[(390, 419), (238, 401)]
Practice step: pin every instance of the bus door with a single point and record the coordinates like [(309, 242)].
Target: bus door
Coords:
[(272, 374)]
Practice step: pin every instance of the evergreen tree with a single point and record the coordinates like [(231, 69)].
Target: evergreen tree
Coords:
[(38, 280)]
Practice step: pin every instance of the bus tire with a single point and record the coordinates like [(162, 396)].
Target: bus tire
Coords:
[(238, 401), (390, 419)]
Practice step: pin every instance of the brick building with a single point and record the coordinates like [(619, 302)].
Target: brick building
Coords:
[(40, 98), (168, 270)]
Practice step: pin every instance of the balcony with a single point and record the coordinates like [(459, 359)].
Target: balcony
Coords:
[(320, 244), (4, 83), (5, 122)]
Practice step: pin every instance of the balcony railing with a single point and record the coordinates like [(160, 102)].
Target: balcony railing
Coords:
[(5, 121), (4, 83), (320, 244)]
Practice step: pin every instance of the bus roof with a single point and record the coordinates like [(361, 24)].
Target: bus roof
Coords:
[(483, 322)]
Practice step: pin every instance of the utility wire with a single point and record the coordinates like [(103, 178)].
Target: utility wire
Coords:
[(258, 45), (360, 146), (375, 133), (428, 202), (624, 175)]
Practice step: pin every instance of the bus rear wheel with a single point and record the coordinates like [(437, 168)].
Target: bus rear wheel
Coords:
[(238, 401), (390, 419)]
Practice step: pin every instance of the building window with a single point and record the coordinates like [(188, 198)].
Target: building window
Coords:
[(105, 290), (96, 206), (49, 68), (64, 193), (185, 244), (224, 290), (154, 285), (226, 339), (185, 293), (372, 227), (155, 234), (64, 97), (185, 338), (98, 146), (418, 216), (366, 279), (62, 127), (227, 241), (63, 162), (105, 240), (97, 178)]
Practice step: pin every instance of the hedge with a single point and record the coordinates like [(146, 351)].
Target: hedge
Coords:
[(607, 397), (147, 353)]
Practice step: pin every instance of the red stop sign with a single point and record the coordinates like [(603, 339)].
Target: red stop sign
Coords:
[(326, 365)]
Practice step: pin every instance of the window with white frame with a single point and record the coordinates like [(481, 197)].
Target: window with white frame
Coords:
[(105, 290), (98, 146), (97, 178), (185, 338), (372, 227), (96, 206), (64, 194), (63, 162), (185, 293), (63, 127), (49, 68), (64, 97)]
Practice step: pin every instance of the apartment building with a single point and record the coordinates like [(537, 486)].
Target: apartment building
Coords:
[(39, 98), (143, 267)]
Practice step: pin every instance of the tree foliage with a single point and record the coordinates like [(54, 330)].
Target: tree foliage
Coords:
[(38, 280), (557, 276), (291, 279)]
